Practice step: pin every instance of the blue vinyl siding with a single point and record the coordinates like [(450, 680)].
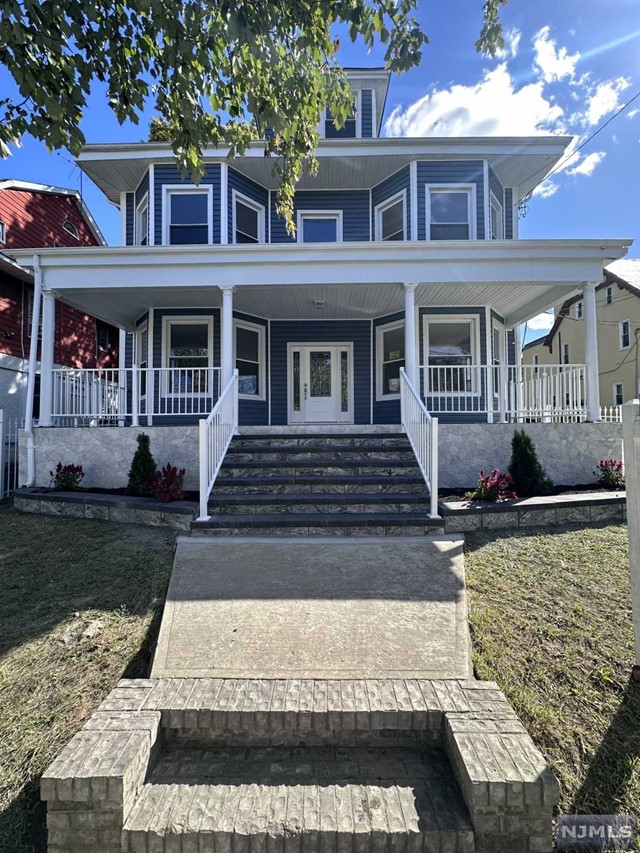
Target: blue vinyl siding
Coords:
[(495, 186), (354, 205), (384, 411), (481, 330), (129, 214), (142, 188), (511, 347), (389, 187), (356, 332), (366, 114), (240, 183), (166, 174), (255, 411), (508, 214), (450, 172)]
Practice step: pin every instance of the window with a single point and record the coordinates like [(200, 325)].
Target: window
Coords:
[(3, 232), (319, 226), (70, 228), (536, 361), (390, 350), (451, 348), (450, 214), (142, 222), (346, 132), (497, 219), (624, 334), (578, 310), (187, 216), (608, 295), (565, 354), (248, 220), (188, 351), (250, 360), (30, 315), (103, 337), (390, 218), (618, 396)]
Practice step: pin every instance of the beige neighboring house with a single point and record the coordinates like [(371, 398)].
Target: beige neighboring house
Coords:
[(618, 319)]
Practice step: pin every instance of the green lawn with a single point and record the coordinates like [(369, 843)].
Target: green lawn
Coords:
[(550, 618), (76, 614)]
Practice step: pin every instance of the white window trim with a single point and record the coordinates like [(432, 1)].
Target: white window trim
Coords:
[(495, 201), (188, 320), (380, 330), (620, 325), (3, 233), (384, 205), (142, 204), (254, 205), (296, 418), (186, 189), (474, 322), (614, 395), (470, 189), (262, 367), (319, 214), (71, 228)]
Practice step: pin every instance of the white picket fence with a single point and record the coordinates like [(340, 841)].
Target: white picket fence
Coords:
[(8, 453)]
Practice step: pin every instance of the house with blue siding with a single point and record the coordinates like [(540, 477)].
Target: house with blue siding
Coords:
[(402, 289)]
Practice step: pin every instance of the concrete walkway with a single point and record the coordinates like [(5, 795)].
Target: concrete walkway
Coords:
[(315, 608)]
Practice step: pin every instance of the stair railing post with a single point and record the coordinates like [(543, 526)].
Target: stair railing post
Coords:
[(204, 470)]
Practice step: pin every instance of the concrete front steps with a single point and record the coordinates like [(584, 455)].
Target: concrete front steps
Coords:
[(291, 484)]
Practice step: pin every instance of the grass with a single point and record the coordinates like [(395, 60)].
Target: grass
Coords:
[(77, 612), (550, 616)]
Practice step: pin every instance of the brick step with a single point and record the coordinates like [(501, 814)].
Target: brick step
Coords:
[(310, 798), (320, 484), (261, 453), (321, 524), (314, 502)]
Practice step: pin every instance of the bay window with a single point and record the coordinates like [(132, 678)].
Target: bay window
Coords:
[(187, 216), (450, 345), (450, 213)]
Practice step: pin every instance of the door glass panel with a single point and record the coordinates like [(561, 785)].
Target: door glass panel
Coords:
[(296, 381), (319, 374), (344, 381)]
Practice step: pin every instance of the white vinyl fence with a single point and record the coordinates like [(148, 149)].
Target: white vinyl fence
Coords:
[(8, 454), (216, 433), (422, 431)]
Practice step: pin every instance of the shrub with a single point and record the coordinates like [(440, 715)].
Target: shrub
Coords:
[(528, 475), (143, 468), (493, 487), (610, 474), (67, 478), (167, 484)]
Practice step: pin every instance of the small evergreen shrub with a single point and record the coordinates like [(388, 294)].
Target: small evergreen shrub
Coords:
[(167, 484), (610, 474), (66, 478), (493, 487), (143, 468), (528, 475)]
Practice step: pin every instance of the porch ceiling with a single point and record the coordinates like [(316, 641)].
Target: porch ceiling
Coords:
[(356, 280)]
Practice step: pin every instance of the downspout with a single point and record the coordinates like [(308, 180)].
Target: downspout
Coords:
[(31, 380)]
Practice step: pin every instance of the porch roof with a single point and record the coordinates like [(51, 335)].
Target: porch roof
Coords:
[(517, 278)]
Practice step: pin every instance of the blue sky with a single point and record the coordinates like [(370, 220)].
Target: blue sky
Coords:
[(567, 67)]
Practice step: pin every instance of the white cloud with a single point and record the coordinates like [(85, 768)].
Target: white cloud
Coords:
[(541, 323), (633, 113), (553, 63), (492, 107), (511, 44), (587, 165), (605, 99), (546, 189)]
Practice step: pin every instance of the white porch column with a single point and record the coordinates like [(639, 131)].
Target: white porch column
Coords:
[(410, 332), (46, 357), (591, 351), (226, 345)]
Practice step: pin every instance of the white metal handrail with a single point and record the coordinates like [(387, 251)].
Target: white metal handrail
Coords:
[(216, 433), (422, 431)]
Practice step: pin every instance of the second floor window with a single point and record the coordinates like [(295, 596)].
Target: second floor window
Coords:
[(497, 225), (450, 214), (618, 395), (319, 227), (579, 311), (348, 131), (248, 221), (188, 213), (390, 219), (608, 296), (625, 334), (142, 222), (3, 233), (565, 354)]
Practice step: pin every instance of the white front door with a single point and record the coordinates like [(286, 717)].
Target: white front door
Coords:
[(320, 384)]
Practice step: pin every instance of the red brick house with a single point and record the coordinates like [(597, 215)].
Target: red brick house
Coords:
[(39, 216)]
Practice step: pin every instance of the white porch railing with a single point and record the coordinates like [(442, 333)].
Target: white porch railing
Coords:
[(109, 395), (516, 393), (611, 414), (8, 453), (216, 433), (422, 432)]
